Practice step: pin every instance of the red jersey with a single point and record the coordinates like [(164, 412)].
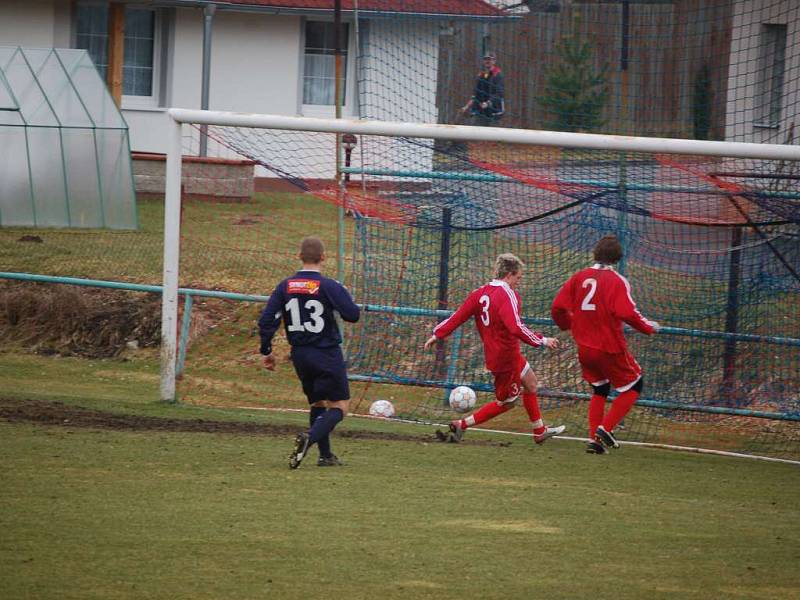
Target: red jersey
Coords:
[(495, 307), (594, 303)]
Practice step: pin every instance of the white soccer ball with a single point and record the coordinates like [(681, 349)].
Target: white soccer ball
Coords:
[(381, 408), (462, 398)]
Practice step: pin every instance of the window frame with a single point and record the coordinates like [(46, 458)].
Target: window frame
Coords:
[(151, 101), (350, 106), (131, 102), (769, 97)]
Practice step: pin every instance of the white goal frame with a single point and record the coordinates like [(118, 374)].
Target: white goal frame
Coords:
[(179, 116)]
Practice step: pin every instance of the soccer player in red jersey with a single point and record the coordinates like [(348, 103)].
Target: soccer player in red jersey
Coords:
[(495, 308), (594, 303)]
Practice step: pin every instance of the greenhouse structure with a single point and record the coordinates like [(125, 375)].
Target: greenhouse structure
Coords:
[(66, 154)]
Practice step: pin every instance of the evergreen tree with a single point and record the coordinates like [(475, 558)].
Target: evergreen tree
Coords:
[(575, 92)]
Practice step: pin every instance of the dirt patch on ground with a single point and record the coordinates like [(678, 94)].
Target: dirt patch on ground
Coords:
[(86, 322), (74, 321), (58, 414)]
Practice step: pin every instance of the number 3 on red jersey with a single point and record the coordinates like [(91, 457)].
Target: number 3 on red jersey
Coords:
[(484, 302)]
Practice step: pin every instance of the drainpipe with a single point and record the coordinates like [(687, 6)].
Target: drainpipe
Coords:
[(208, 18)]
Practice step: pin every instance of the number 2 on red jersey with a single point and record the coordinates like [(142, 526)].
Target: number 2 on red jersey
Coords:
[(591, 283)]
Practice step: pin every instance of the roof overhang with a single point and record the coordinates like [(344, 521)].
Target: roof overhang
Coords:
[(308, 11)]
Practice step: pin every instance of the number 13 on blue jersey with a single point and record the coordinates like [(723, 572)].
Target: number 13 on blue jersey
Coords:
[(314, 308)]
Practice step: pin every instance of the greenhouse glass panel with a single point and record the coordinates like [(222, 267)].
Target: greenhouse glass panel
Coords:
[(67, 144)]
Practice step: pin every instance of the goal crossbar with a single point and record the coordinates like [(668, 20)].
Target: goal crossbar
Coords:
[(589, 141)]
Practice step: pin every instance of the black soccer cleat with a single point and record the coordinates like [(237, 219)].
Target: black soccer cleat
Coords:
[(329, 461), (595, 448), (301, 443), (442, 436), (456, 433), (606, 438)]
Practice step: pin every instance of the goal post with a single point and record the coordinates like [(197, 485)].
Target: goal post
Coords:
[(534, 180), (172, 225)]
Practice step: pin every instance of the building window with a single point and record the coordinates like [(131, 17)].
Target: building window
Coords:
[(139, 66), (319, 70), (772, 64), (93, 35), (140, 41)]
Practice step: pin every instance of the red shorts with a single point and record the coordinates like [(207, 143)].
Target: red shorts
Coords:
[(508, 384), (598, 367)]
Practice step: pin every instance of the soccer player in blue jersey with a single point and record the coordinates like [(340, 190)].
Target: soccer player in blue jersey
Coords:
[(306, 303)]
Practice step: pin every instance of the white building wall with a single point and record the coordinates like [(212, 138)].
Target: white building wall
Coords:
[(256, 67), (398, 72), (400, 69), (62, 25), (28, 23), (745, 66), (400, 65)]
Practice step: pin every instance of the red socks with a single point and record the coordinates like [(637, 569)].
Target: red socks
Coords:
[(484, 413), (597, 408), (531, 403), (619, 408)]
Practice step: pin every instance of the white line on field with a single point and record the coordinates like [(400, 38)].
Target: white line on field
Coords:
[(560, 437)]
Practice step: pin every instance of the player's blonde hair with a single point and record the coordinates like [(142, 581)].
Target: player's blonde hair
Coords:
[(311, 250), (506, 264)]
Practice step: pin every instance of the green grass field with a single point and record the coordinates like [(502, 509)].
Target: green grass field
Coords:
[(93, 512), (90, 508), (223, 246), (249, 247), (106, 514)]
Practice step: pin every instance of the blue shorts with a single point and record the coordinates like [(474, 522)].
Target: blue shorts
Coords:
[(322, 371)]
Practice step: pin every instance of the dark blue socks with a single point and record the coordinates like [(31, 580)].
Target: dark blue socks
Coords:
[(325, 443), (322, 426)]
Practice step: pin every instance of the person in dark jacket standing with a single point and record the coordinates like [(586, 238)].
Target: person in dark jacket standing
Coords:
[(487, 104), (306, 303)]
